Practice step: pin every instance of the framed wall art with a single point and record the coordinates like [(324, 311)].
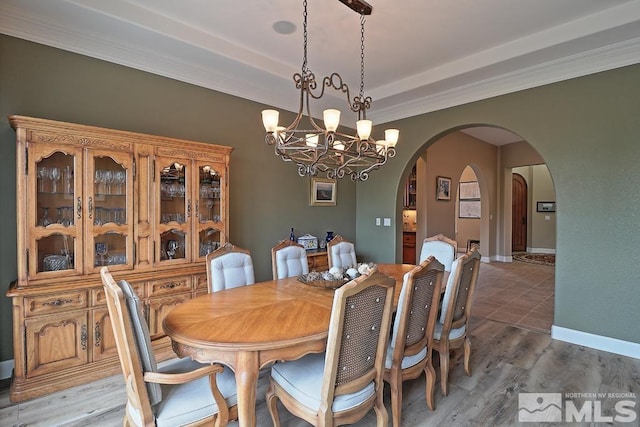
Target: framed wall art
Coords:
[(546, 206), (469, 200), (323, 192), (443, 188)]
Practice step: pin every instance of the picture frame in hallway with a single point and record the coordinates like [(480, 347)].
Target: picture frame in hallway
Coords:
[(545, 206), (323, 192), (443, 188)]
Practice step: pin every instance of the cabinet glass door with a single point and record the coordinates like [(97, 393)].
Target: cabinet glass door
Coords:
[(174, 211), (209, 207), (109, 216), (54, 211)]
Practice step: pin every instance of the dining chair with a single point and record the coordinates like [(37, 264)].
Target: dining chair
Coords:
[(288, 259), (443, 249), (411, 345), (342, 384), (341, 253), (178, 392), (452, 329), (229, 267)]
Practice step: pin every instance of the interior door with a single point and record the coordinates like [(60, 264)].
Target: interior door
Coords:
[(519, 214)]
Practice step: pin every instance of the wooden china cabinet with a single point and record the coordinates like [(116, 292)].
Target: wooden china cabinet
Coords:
[(149, 207)]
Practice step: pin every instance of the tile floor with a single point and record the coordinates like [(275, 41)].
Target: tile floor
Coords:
[(517, 293)]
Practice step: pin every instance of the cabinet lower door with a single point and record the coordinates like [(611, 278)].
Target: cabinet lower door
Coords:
[(56, 342), (104, 340), (158, 309)]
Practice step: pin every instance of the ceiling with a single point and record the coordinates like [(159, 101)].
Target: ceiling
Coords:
[(420, 56)]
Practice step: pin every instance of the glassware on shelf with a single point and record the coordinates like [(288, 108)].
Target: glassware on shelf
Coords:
[(98, 180), (101, 250), (68, 180), (43, 175), (108, 180), (45, 220), (54, 176), (119, 178), (207, 247), (209, 204), (172, 248)]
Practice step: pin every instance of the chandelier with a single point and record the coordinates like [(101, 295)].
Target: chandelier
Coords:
[(325, 149)]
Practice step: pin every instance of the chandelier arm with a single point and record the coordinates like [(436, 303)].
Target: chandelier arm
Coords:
[(328, 151)]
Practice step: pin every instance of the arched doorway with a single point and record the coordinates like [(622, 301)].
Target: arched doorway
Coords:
[(530, 303), (519, 196)]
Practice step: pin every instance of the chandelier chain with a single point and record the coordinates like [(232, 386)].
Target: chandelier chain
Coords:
[(362, 19), (304, 32)]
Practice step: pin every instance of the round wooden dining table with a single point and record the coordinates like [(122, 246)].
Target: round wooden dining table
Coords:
[(248, 327)]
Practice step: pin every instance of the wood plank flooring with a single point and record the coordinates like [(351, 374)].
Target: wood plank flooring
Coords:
[(506, 359)]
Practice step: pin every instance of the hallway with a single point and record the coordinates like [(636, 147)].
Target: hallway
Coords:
[(517, 293)]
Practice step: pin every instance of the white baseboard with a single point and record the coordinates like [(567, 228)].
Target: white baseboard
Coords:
[(541, 250), (503, 258), (6, 369), (599, 342)]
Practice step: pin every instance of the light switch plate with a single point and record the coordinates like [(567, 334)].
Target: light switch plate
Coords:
[(378, 221), (387, 222)]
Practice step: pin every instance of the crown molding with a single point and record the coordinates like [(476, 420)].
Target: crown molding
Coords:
[(590, 62), (243, 80)]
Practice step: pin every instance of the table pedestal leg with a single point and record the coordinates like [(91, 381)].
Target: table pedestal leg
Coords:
[(247, 382)]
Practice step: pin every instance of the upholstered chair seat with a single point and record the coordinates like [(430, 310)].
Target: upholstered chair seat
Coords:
[(452, 330), (302, 379), (174, 393), (343, 384), (411, 344), (192, 400)]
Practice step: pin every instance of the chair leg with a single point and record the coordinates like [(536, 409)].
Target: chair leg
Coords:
[(272, 405), (444, 369), (467, 356), (395, 381), (382, 417), (430, 375)]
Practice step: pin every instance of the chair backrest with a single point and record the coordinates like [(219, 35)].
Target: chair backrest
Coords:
[(134, 345), (341, 253), (417, 311), (229, 267), (458, 296), (288, 259), (442, 248), (358, 333)]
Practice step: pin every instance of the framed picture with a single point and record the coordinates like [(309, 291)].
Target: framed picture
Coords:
[(469, 190), (469, 193), (323, 192), (546, 206), (443, 188), (469, 209)]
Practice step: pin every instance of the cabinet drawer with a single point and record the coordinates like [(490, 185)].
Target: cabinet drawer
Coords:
[(169, 286), (201, 282), (318, 261), (98, 296), (54, 303)]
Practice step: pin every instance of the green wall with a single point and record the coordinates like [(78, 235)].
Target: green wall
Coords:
[(267, 197), (587, 131)]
